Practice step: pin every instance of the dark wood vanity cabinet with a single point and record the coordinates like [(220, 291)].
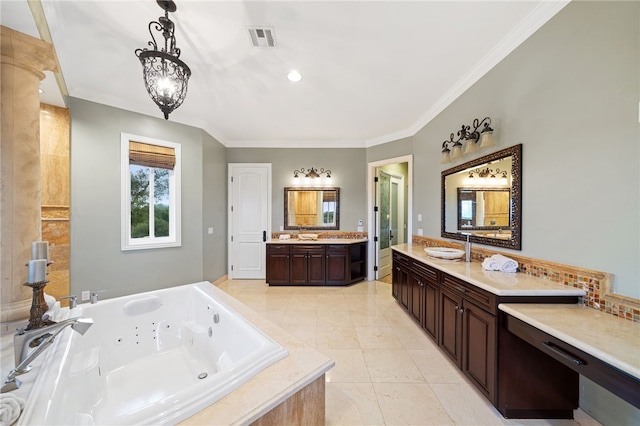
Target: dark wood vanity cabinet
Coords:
[(278, 264), (416, 287), (468, 334), (307, 265), (400, 279), (465, 322), (337, 264), (316, 264)]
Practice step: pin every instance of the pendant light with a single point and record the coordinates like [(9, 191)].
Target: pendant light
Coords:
[(165, 76)]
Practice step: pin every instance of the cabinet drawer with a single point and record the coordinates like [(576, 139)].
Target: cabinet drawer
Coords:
[(337, 248), (425, 271), (400, 258), (307, 249), (483, 299), (278, 248)]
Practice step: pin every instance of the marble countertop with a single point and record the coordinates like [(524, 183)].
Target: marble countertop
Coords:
[(499, 283), (319, 241), (614, 340)]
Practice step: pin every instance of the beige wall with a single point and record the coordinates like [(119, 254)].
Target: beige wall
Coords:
[(54, 183)]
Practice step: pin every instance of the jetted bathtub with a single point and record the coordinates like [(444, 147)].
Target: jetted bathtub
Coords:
[(150, 358)]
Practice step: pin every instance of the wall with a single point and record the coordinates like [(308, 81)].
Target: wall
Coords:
[(214, 203), (97, 263), (347, 166), (569, 94), (54, 197), (394, 149)]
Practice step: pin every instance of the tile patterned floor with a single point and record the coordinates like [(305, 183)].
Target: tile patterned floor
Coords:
[(388, 372)]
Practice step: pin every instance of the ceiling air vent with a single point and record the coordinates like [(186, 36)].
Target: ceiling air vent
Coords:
[(262, 36)]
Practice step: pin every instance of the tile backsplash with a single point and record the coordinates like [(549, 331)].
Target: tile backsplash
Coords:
[(322, 234), (596, 283)]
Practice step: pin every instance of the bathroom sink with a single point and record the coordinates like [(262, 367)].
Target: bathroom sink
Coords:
[(308, 237), (444, 252)]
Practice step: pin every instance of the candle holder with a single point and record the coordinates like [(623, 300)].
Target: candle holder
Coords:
[(37, 310), (43, 303), (38, 306)]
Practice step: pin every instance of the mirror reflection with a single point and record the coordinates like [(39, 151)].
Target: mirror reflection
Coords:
[(482, 198), (483, 209), (312, 208)]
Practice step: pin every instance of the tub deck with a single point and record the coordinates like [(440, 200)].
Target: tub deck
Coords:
[(297, 378)]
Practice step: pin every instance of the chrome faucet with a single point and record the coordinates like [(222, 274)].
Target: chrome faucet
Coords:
[(467, 250), (40, 339), (94, 295)]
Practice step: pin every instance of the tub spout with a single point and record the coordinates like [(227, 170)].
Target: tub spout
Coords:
[(40, 339)]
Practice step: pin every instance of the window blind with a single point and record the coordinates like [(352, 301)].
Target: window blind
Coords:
[(144, 154), (328, 196)]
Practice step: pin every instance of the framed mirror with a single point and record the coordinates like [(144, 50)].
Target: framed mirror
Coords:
[(483, 198), (312, 208)]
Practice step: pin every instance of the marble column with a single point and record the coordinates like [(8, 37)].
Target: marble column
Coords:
[(23, 60)]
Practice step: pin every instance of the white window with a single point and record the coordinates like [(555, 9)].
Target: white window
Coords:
[(150, 179)]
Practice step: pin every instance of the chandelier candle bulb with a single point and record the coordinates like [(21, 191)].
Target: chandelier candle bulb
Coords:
[(37, 271), (40, 250)]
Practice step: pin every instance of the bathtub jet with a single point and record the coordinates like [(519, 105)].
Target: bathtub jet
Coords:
[(40, 339)]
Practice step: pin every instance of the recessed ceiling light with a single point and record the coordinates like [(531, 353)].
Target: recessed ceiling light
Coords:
[(294, 76)]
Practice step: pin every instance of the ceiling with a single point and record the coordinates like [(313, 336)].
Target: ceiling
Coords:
[(373, 71)]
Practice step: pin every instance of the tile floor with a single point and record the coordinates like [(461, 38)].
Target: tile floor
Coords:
[(388, 372)]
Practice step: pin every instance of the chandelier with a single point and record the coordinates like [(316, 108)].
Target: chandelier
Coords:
[(165, 75)]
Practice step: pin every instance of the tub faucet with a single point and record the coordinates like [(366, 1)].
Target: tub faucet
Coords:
[(94, 296), (40, 339)]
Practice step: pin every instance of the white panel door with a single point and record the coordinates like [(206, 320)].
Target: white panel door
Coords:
[(250, 219)]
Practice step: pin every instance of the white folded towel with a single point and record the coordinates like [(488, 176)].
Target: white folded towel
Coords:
[(10, 408), (490, 264), (506, 264), (501, 263)]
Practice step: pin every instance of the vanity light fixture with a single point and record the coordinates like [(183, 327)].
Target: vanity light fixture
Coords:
[(310, 175), (470, 138), (487, 177), (165, 76)]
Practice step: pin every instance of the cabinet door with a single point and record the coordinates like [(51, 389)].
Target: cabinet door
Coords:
[(316, 266), (403, 288), (451, 325), (430, 309), (416, 299), (277, 265), (479, 348), (337, 264), (298, 266)]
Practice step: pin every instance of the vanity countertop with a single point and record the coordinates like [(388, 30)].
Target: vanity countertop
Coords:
[(499, 283), (614, 340), (319, 241)]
